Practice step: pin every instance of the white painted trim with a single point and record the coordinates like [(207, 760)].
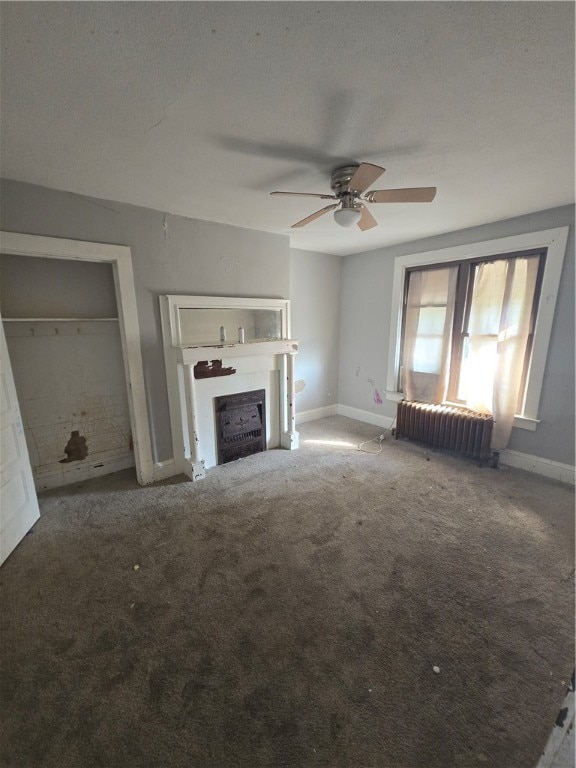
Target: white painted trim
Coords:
[(119, 256), (539, 466), (173, 305), (170, 321), (366, 416), (523, 422), (77, 472), (554, 240), (164, 469), (179, 449), (192, 355), (180, 359), (316, 413)]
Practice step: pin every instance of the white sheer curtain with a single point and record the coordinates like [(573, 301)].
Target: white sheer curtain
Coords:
[(428, 325), (495, 349)]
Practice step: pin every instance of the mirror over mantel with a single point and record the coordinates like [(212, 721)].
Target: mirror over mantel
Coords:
[(213, 320)]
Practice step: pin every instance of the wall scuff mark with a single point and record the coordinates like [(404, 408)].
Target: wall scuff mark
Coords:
[(165, 228)]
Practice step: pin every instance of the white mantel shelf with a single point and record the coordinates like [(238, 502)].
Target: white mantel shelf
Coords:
[(193, 354)]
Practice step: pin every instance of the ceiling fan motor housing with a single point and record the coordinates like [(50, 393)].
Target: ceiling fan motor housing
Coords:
[(339, 182)]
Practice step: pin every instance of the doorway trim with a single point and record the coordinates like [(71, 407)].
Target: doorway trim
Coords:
[(120, 257)]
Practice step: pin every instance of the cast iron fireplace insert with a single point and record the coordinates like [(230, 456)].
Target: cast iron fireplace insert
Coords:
[(240, 424)]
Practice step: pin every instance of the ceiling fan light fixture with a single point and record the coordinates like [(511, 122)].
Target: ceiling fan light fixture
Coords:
[(349, 184), (347, 217)]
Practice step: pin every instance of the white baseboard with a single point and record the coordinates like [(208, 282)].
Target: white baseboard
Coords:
[(370, 418), (164, 469), (316, 413), (76, 472), (545, 467)]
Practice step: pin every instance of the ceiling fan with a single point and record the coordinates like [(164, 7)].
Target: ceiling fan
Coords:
[(349, 184)]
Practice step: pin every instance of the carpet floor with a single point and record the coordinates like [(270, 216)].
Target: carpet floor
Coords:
[(289, 610)]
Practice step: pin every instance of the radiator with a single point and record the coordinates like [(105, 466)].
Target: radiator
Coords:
[(443, 426)]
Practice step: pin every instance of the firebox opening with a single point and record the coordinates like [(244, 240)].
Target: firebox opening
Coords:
[(240, 425)]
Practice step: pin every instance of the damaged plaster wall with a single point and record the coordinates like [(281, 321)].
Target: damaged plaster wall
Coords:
[(70, 377), (365, 322), (170, 255), (315, 295), (69, 374)]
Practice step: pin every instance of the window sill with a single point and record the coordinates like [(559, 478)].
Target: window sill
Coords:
[(520, 422), (524, 422)]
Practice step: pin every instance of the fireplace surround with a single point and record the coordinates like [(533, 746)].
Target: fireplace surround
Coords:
[(200, 373)]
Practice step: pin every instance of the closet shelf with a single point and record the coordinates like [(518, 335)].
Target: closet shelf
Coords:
[(59, 319)]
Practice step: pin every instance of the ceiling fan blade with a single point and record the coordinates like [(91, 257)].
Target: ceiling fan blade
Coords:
[(414, 195), (367, 221), (365, 175), (316, 215), (307, 194)]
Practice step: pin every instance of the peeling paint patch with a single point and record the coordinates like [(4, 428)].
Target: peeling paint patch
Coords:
[(299, 385), (208, 370), (377, 397), (76, 448)]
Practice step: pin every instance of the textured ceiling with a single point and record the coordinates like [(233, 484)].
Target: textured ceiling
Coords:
[(202, 109)]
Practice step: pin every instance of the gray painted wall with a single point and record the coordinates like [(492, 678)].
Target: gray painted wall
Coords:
[(365, 320), (170, 254), (68, 288), (315, 297)]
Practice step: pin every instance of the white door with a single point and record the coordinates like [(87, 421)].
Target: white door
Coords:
[(18, 503)]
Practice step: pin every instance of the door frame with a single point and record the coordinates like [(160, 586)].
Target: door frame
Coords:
[(120, 257)]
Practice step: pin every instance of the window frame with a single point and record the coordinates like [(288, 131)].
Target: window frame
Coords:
[(551, 241)]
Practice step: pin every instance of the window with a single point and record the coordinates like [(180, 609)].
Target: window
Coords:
[(456, 284), (468, 324)]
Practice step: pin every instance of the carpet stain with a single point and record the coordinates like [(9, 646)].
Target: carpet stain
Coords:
[(255, 594), (144, 612), (125, 669), (335, 726), (106, 641)]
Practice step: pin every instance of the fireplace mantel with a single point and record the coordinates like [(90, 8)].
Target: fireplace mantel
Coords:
[(193, 354), (267, 364)]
